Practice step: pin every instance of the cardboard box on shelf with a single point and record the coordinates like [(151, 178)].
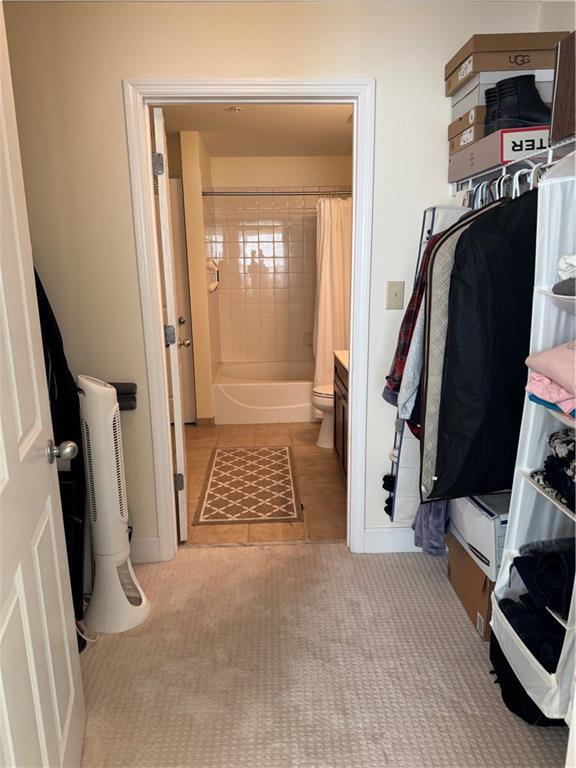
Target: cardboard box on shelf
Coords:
[(511, 62), (515, 41), (469, 136), (496, 149), (472, 95), (474, 116), (472, 586)]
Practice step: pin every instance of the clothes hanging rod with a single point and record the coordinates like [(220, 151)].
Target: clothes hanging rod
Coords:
[(339, 193)]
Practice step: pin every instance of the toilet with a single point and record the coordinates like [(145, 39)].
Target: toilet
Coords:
[(323, 400)]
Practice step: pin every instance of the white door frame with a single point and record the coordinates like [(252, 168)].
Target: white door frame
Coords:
[(139, 95)]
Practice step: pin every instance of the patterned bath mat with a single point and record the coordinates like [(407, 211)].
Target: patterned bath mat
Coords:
[(250, 485)]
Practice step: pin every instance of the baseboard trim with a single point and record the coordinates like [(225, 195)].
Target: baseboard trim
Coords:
[(146, 550), (389, 539), (209, 421)]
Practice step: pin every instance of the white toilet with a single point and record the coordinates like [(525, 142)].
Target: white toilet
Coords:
[(323, 400)]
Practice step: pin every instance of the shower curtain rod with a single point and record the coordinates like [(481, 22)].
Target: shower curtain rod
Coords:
[(339, 193)]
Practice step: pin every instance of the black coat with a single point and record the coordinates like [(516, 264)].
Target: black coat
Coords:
[(484, 373), (65, 411)]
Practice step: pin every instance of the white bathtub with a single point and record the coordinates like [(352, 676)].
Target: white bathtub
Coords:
[(263, 393)]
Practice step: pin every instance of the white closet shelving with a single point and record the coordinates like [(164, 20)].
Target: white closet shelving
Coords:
[(536, 515)]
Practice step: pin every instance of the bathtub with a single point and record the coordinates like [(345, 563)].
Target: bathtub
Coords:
[(263, 393)]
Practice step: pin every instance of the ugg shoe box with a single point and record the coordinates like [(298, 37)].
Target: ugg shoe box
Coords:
[(498, 148), (473, 587), (501, 52), (473, 94), (511, 62)]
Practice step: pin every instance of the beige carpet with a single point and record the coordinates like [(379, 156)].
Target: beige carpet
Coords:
[(302, 656)]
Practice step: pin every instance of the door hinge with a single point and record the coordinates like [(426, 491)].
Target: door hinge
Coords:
[(169, 335), (178, 481), (157, 163)]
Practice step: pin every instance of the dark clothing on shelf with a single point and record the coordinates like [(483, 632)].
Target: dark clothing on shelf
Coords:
[(564, 544), (557, 476), (542, 635), (549, 579), (565, 287)]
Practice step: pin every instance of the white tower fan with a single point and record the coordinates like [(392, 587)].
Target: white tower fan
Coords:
[(118, 602)]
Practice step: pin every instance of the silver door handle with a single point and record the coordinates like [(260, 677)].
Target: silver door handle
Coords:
[(184, 342), (66, 450)]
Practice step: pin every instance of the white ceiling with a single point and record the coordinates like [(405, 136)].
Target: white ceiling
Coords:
[(266, 129)]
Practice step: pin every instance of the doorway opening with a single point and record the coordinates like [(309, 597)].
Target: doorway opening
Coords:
[(254, 237)]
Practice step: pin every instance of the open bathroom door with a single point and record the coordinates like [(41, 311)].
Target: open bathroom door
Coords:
[(42, 712), (171, 315)]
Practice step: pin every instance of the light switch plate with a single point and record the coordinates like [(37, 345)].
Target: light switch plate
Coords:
[(395, 294)]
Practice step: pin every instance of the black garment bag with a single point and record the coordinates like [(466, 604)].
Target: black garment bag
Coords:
[(488, 337)]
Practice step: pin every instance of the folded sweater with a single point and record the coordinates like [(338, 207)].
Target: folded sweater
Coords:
[(558, 363)]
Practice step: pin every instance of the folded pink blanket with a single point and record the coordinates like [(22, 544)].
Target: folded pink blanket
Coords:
[(558, 364), (549, 390)]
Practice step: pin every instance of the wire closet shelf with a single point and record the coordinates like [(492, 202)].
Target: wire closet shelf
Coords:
[(512, 175)]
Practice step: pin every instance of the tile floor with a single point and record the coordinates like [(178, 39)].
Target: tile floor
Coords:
[(320, 482)]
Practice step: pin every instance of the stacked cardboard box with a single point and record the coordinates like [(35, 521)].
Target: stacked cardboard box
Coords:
[(481, 63)]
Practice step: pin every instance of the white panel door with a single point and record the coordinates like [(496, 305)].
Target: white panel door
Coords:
[(171, 310), (182, 291), (41, 698)]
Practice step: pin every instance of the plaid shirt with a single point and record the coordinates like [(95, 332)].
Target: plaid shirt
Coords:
[(394, 378)]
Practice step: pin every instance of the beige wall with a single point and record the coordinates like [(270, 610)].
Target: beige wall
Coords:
[(68, 62), (282, 171), (196, 176)]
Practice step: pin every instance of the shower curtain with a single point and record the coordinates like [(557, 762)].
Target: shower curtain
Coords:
[(333, 267)]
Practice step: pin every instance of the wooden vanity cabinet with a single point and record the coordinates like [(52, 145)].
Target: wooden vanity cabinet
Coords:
[(341, 414)]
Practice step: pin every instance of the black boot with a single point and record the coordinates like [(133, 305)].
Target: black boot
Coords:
[(491, 97), (520, 104)]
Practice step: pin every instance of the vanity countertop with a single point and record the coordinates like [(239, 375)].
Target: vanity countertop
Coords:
[(342, 356)]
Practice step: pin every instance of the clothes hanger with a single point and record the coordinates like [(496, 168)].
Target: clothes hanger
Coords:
[(475, 189), (504, 181), (516, 182), (535, 175), (493, 187)]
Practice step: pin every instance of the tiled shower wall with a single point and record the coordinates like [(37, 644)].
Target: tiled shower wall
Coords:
[(265, 244), (213, 251)]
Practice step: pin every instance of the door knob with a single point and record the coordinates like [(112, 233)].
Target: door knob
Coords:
[(181, 320), (66, 450), (184, 342)]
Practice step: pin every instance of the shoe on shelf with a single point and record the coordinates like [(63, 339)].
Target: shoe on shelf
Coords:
[(519, 105)]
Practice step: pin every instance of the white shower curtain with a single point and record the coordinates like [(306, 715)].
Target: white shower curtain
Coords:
[(333, 266)]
